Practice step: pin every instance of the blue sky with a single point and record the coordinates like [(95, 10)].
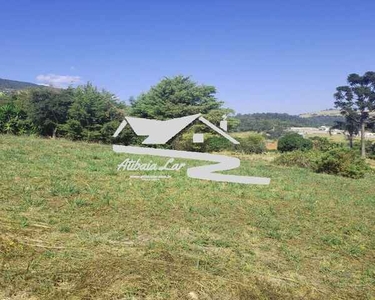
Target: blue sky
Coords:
[(262, 56)]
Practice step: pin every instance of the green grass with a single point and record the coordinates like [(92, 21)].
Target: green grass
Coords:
[(72, 227)]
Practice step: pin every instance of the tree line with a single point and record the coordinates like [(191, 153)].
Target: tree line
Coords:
[(77, 113), (87, 113)]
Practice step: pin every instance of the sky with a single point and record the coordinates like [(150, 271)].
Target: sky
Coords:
[(262, 56)]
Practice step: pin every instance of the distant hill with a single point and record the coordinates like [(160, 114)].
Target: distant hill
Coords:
[(327, 112), (13, 85), (276, 122)]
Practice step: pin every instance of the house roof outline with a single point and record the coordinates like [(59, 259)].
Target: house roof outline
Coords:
[(160, 132)]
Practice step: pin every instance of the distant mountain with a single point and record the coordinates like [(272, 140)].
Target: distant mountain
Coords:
[(12, 85)]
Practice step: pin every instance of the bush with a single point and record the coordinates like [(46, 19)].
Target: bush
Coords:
[(343, 162), (301, 159), (107, 131), (215, 143), (13, 120), (370, 148), (72, 130), (323, 144), (253, 143), (292, 142), (185, 142), (339, 161)]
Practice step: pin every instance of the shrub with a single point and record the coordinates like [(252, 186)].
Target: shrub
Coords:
[(215, 143), (72, 130), (107, 131), (301, 159), (343, 162), (370, 148), (13, 120), (323, 144), (338, 161), (292, 142), (185, 142), (253, 143)]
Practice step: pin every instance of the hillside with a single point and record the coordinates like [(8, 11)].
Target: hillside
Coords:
[(8, 85), (325, 113), (328, 113), (72, 227), (268, 122)]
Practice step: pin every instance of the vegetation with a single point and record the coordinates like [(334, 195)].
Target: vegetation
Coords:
[(275, 124), (73, 227), (337, 161), (343, 162), (48, 109), (300, 159), (13, 120), (81, 113), (85, 113), (357, 101), (293, 141), (175, 97), (324, 144), (252, 143), (350, 125), (179, 96)]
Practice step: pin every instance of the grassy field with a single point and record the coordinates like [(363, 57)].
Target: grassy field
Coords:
[(72, 227)]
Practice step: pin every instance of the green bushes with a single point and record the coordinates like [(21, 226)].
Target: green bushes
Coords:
[(370, 148), (338, 161), (215, 143), (323, 144), (253, 143), (13, 120), (343, 162), (294, 141), (301, 159), (212, 143)]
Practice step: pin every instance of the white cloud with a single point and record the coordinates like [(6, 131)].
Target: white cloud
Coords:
[(58, 80)]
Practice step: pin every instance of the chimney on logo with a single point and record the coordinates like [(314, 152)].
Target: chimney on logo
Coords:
[(224, 123)]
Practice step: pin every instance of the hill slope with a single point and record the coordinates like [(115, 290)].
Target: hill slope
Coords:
[(270, 121), (324, 113), (71, 226), (6, 84)]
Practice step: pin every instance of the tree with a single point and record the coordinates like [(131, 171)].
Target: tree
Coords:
[(358, 98), (175, 97), (48, 109), (90, 111), (349, 125)]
